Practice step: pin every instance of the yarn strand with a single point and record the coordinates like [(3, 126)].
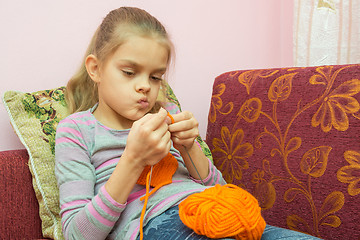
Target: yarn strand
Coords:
[(148, 182)]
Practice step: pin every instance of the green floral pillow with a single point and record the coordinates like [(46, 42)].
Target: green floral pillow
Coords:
[(34, 117)]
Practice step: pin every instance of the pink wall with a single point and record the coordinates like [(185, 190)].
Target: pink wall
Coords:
[(43, 42)]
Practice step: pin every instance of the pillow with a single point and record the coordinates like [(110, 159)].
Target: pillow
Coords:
[(34, 117)]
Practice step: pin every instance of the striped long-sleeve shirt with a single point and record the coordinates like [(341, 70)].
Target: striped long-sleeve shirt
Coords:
[(87, 153)]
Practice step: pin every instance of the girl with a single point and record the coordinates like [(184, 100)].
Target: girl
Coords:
[(118, 128)]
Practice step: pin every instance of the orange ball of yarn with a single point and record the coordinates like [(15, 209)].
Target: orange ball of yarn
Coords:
[(223, 211)]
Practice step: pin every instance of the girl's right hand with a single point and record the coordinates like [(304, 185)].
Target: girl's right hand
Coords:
[(149, 139)]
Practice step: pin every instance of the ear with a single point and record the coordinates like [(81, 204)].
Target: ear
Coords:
[(92, 67)]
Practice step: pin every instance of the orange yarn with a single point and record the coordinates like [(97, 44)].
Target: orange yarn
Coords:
[(217, 212), (162, 173), (223, 211)]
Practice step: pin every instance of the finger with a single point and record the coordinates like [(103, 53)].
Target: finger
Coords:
[(153, 121), (182, 116), (160, 150), (162, 130), (167, 140), (184, 125), (189, 134), (183, 142), (163, 145)]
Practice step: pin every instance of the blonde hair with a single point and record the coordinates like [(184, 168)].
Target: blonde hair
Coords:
[(81, 91)]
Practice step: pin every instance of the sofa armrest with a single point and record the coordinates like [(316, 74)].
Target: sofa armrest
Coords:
[(19, 209), (290, 136)]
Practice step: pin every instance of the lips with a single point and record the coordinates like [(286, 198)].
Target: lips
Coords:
[(143, 103)]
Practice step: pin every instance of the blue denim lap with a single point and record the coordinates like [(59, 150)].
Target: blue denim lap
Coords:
[(169, 226)]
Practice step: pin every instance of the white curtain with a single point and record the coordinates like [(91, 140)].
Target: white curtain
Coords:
[(326, 32)]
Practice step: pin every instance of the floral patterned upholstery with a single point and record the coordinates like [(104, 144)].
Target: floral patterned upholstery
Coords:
[(290, 136)]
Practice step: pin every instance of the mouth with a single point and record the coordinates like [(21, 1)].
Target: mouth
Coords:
[(144, 103)]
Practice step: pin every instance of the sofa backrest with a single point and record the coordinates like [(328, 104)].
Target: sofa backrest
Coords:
[(290, 136)]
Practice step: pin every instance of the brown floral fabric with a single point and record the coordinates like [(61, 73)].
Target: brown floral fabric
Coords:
[(290, 136)]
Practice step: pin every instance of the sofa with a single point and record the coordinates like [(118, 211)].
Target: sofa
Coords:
[(289, 136), (19, 209)]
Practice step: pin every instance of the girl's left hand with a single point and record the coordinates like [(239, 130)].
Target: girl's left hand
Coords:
[(184, 130)]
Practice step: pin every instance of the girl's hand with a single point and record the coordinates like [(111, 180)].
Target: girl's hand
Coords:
[(149, 139), (184, 130)]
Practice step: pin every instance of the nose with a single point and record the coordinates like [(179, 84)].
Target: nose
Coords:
[(143, 84)]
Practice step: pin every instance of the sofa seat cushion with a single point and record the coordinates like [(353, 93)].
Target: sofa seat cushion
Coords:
[(19, 208)]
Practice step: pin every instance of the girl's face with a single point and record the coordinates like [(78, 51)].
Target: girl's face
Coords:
[(129, 82)]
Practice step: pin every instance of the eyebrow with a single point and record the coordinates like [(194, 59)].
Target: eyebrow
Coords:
[(134, 64)]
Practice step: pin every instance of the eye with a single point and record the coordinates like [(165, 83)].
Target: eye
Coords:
[(128, 73), (156, 78)]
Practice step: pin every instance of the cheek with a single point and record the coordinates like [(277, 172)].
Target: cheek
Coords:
[(112, 92), (155, 89)]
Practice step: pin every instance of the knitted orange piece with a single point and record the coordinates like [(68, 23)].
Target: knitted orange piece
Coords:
[(161, 174), (223, 211)]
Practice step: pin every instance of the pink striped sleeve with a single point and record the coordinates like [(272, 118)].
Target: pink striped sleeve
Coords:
[(110, 199), (78, 121), (69, 140), (99, 217)]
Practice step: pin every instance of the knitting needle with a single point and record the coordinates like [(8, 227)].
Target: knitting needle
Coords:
[(194, 165), (151, 169)]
